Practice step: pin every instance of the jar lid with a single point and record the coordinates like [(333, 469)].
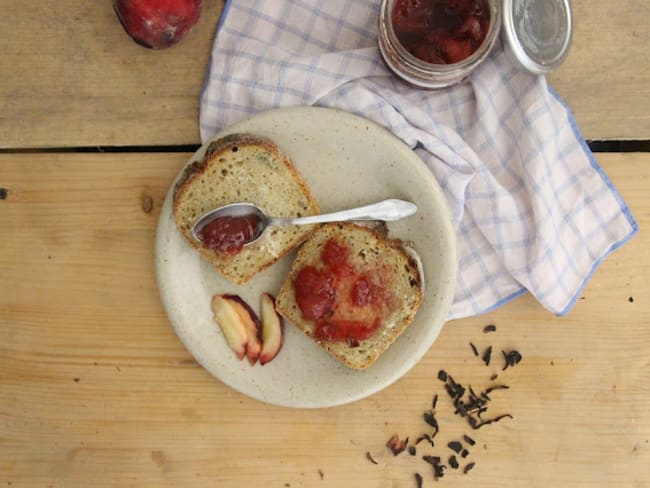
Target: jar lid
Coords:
[(537, 33)]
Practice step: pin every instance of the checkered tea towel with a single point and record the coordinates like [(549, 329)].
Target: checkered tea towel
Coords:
[(533, 209)]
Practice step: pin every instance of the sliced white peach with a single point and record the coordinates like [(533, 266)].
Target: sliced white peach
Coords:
[(272, 329), (251, 324), (230, 323)]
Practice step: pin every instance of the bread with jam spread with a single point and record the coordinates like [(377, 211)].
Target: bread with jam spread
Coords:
[(352, 290), (244, 168)]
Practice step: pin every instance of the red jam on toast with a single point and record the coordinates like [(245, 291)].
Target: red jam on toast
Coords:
[(345, 301)]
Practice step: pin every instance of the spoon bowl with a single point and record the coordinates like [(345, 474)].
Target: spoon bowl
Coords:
[(234, 210), (385, 210)]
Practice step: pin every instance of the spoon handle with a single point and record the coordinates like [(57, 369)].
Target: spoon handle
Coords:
[(391, 209)]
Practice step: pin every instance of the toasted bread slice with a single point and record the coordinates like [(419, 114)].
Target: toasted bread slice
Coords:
[(370, 254), (244, 168)]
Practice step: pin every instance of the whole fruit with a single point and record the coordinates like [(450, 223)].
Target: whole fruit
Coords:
[(157, 24)]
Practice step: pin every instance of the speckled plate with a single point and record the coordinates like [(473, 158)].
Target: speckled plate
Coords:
[(346, 161)]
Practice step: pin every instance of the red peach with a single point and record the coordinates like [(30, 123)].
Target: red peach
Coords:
[(157, 24)]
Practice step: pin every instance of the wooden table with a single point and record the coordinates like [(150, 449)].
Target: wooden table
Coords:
[(96, 389)]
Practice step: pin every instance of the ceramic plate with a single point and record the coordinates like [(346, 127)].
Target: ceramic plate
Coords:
[(347, 161)]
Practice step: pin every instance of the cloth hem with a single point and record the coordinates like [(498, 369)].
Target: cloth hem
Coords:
[(623, 206)]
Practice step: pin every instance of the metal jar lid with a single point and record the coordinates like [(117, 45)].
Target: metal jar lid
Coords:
[(537, 33)]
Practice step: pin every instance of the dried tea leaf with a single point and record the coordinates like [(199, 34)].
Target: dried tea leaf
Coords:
[(468, 467), (418, 480), (430, 419), (423, 437), (396, 445), (432, 460), (511, 357), (370, 458), (455, 446), (487, 354)]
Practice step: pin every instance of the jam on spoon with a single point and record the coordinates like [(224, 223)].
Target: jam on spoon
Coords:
[(229, 234)]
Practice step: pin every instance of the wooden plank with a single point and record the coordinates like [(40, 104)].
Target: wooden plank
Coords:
[(69, 76), (96, 390), (606, 76)]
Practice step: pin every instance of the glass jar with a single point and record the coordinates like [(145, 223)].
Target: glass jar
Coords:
[(536, 36), (427, 75)]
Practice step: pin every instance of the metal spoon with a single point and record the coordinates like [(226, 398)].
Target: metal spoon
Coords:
[(387, 210)]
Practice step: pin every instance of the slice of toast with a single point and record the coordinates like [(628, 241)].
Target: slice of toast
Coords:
[(244, 168), (370, 254)]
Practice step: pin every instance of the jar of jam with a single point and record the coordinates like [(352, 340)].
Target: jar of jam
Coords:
[(437, 43)]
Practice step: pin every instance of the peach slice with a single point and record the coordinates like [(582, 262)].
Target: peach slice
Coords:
[(251, 324), (272, 329), (230, 323)]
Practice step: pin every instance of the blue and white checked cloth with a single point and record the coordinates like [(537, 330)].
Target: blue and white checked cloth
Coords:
[(533, 209)]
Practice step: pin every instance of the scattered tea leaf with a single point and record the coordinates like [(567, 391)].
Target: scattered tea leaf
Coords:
[(396, 445), (487, 354), (370, 458), (496, 387), (512, 357), (430, 419), (496, 419), (432, 460), (471, 406), (468, 404), (455, 446), (423, 437), (418, 480)]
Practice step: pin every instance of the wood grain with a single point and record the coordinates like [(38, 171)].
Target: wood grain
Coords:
[(96, 390), (605, 79), (70, 77)]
